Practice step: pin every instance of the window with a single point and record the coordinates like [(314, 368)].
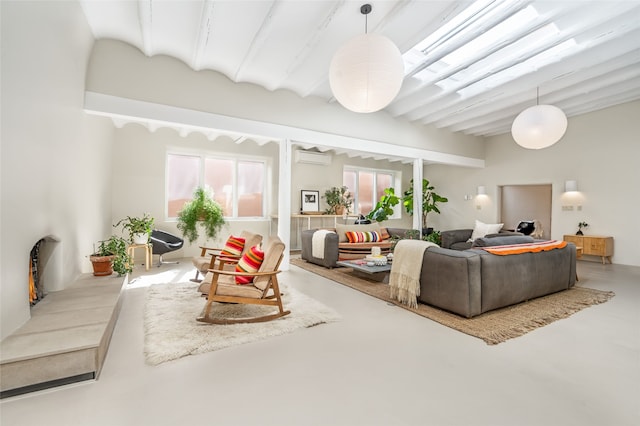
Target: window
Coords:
[(368, 185), (237, 184)]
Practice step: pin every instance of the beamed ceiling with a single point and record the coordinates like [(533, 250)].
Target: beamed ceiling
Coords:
[(469, 66)]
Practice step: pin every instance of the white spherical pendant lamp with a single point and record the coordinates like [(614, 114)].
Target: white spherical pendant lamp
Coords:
[(367, 72), (539, 126)]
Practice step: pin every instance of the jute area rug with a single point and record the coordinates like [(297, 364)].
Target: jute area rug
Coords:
[(172, 332), (493, 327)]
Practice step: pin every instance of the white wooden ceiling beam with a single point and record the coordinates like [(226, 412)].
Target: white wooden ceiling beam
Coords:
[(258, 41), (145, 19), (204, 31)]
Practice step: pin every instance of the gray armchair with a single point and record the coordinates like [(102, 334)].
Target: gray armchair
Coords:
[(164, 242)]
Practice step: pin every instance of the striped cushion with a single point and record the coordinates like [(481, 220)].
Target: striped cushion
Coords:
[(363, 237), (233, 246), (250, 262)]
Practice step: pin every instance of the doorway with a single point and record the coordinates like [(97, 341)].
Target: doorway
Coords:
[(526, 202)]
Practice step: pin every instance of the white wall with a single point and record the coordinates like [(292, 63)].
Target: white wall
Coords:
[(121, 70), (56, 161), (600, 150), (139, 179)]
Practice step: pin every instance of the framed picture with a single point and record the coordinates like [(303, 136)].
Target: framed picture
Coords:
[(310, 201)]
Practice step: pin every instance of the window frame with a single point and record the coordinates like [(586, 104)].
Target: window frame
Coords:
[(202, 155), (396, 180)]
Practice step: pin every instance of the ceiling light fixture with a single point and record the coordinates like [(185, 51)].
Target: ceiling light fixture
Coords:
[(539, 126), (366, 73)]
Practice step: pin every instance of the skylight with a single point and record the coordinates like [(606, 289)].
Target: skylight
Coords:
[(470, 65)]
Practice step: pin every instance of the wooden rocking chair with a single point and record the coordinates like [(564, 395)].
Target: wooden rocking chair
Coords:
[(263, 291), (210, 255)]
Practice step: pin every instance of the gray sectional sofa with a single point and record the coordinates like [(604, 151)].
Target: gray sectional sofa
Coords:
[(471, 282)]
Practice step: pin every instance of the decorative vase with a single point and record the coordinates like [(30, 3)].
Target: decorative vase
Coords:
[(141, 238), (102, 265), (339, 210), (579, 232)]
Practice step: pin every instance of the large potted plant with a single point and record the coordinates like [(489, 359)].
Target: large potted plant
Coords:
[(202, 211), (139, 228), (339, 200), (111, 255), (384, 207), (430, 202)]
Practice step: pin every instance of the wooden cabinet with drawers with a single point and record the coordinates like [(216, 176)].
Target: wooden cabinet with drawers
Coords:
[(593, 245)]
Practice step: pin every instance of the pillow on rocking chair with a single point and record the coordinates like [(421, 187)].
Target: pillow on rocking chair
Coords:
[(233, 247), (250, 262)]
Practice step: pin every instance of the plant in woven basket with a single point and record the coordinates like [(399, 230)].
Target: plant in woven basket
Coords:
[(204, 212)]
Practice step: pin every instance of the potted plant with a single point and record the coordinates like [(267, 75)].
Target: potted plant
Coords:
[(580, 226), (429, 202), (139, 228), (203, 210), (111, 256), (339, 200), (384, 207)]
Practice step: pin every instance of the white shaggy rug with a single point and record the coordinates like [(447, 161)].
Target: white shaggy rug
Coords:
[(172, 332)]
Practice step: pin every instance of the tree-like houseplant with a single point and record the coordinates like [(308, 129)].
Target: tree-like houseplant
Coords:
[(202, 211), (384, 207), (139, 228), (111, 256), (339, 200), (430, 201)]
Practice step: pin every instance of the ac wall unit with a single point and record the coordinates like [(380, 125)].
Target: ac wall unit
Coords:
[(310, 157)]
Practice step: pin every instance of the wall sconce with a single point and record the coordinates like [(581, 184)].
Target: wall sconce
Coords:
[(481, 190), (570, 186)]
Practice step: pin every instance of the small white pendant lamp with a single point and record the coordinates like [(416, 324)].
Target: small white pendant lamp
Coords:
[(366, 73), (539, 126)]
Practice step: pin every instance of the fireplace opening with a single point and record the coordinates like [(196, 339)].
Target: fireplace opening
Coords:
[(36, 287), (45, 268)]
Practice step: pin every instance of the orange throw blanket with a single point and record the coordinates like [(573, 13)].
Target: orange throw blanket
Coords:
[(526, 248)]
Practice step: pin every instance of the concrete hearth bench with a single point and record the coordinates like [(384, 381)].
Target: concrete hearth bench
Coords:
[(66, 339)]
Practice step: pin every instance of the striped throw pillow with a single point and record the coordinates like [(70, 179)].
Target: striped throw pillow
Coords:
[(250, 262), (233, 246), (363, 237)]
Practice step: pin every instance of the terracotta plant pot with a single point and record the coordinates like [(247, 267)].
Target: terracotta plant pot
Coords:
[(102, 265)]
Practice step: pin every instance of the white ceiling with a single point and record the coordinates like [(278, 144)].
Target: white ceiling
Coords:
[(473, 77)]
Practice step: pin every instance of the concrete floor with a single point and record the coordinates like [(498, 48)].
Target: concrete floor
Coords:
[(380, 365)]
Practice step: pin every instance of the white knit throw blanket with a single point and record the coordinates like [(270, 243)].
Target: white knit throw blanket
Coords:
[(404, 281), (317, 243)]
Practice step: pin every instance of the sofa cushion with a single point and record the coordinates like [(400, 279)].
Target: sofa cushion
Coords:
[(481, 229), (502, 241), (363, 237), (342, 230)]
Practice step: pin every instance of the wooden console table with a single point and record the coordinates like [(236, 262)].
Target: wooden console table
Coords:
[(594, 245)]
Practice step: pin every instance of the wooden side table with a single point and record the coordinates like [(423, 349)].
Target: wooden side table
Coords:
[(147, 253)]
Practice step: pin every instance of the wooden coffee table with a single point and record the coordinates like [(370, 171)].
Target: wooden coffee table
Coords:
[(376, 273)]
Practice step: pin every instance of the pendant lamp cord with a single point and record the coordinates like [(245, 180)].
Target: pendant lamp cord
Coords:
[(365, 9), (366, 24)]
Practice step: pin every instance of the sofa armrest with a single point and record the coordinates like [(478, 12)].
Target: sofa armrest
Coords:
[(455, 236), (451, 280), (397, 232), (330, 249)]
